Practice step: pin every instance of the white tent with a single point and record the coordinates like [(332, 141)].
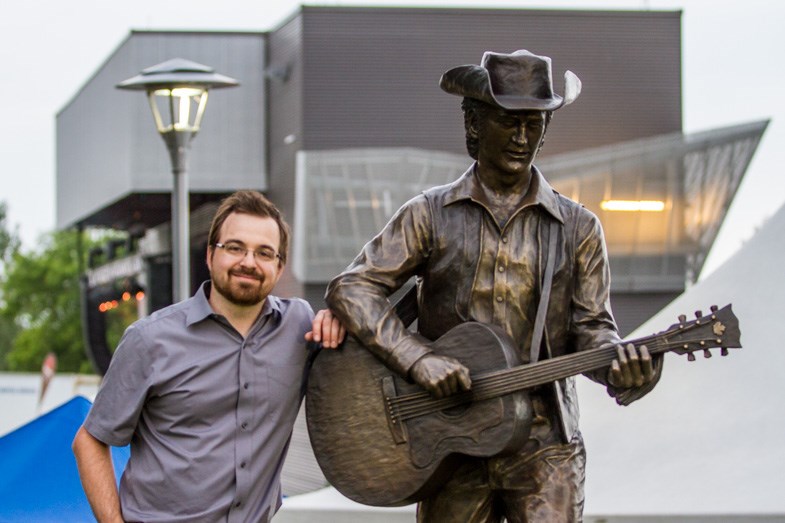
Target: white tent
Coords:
[(710, 439)]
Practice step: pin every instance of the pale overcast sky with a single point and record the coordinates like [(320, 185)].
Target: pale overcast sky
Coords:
[(732, 73)]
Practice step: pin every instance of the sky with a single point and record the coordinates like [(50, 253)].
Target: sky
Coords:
[(732, 74)]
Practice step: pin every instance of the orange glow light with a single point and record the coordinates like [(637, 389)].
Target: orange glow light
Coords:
[(633, 205)]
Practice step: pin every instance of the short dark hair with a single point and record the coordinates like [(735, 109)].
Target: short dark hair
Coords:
[(255, 204), (473, 112)]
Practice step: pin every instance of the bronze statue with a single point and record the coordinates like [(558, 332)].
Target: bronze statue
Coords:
[(500, 247)]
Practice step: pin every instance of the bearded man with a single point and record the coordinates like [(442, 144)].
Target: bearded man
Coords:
[(207, 390)]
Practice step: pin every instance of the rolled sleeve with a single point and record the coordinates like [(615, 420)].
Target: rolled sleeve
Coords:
[(118, 404)]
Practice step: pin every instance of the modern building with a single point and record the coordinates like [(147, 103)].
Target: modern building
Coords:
[(339, 119)]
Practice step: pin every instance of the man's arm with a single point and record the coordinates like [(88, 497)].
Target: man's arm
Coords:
[(94, 461)]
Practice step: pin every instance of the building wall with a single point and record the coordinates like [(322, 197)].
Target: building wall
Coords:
[(284, 77), (106, 138), (632, 309), (368, 77), (371, 75)]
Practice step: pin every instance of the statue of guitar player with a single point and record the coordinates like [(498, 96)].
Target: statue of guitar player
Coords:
[(501, 247)]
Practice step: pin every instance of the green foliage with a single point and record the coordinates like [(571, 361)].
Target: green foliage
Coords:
[(9, 244), (40, 309), (40, 294)]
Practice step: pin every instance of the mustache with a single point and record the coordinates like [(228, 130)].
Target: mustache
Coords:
[(247, 272)]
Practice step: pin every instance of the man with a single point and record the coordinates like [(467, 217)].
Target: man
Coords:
[(498, 246), (206, 391)]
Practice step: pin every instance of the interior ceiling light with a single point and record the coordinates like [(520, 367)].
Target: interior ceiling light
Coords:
[(633, 205)]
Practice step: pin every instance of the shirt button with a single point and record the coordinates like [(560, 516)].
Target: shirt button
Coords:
[(242, 465), (504, 239), (499, 298), (237, 505), (501, 269), (244, 425), (245, 385)]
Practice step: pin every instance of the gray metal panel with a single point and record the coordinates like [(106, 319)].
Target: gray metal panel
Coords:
[(284, 84), (107, 146), (371, 74)]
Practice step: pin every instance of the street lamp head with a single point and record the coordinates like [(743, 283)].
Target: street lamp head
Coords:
[(177, 92)]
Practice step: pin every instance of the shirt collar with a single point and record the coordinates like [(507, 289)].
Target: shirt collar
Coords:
[(199, 307), (467, 187)]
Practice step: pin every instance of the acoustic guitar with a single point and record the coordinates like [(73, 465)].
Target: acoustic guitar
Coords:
[(383, 441)]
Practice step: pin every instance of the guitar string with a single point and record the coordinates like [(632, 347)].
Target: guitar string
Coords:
[(420, 403), (489, 383), (546, 368), (654, 342)]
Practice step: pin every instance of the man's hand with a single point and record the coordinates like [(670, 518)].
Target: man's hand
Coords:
[(326, 329), (631, 368), (440, 375)]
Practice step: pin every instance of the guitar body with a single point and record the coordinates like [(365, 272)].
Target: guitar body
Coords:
[(372, 459)]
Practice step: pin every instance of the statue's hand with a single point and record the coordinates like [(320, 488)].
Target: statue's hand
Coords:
[(631, 368), (440, 375)]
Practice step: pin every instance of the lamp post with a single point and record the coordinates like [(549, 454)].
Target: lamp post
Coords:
[(177, 92)]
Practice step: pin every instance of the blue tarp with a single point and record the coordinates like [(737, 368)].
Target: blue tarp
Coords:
[(39, 481)]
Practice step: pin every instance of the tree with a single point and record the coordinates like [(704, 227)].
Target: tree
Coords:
[(40, 295), (9, 244)]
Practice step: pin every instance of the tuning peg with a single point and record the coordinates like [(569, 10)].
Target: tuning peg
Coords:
[(723, 352), (714, 308), (698, 314), (690, 356), (682, 318), (706, 353)]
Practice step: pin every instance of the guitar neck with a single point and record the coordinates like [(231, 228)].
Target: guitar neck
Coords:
[(545, 371), (505, 381), (719, 329)]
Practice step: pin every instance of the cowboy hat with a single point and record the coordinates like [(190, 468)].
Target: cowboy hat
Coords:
[(516, 81)]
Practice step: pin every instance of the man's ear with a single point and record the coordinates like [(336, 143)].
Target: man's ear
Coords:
[(208, 257)]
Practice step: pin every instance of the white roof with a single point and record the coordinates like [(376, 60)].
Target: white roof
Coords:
[(710, 438)]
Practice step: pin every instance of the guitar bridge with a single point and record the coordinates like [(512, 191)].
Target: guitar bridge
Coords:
[(394, 421)]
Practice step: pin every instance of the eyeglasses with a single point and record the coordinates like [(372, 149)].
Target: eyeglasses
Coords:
[(264, 254)]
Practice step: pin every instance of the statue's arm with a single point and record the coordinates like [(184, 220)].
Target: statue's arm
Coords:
[(359, 295), (592, 320)]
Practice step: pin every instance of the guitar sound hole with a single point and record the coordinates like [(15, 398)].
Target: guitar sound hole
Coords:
[(455, 412)]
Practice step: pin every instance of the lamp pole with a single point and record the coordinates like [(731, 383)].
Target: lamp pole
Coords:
[(177, 92)]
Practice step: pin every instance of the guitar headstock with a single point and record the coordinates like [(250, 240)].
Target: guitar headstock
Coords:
[(718, 329)]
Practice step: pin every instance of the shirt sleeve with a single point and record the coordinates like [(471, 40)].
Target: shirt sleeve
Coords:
[(359, 295), (592, 320), (115, 413)]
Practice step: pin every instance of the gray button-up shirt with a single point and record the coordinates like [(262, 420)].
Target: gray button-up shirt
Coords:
[(208, 413)]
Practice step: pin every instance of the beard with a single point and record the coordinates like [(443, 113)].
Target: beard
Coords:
[(243, 293)]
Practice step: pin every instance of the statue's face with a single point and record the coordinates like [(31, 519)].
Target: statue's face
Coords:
[(508, 142)]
